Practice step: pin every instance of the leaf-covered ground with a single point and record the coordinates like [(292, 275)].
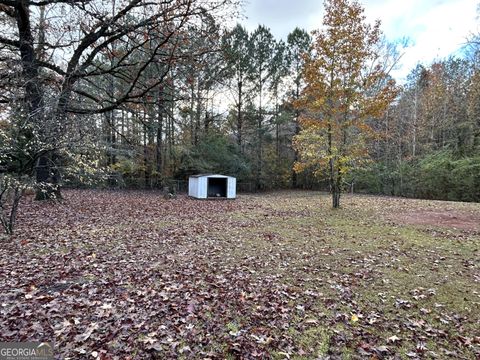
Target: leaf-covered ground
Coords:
[(129, 275)]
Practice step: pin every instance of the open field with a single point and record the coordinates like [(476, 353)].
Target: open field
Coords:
[(115, 275)]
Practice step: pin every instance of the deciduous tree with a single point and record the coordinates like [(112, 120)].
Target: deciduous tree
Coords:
[(298, 46), (345, 89)]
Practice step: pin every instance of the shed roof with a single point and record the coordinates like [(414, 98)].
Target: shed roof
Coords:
[(210, 175)]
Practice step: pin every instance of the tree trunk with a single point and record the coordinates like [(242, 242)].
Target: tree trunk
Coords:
[(239, 117), (47, 178), (260, 142), (198, 115), (159, 144), (146, 141), (277, 128), (8, 217), (415, 115), (336, 197), (45, 174), (333, 183), (297, 131), (192, 113), (337, 190), (208, 120)]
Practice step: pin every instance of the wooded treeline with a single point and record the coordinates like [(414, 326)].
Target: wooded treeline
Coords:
[(430, 146), (129, 93), (141, 94), (226, 109), (230, 110)]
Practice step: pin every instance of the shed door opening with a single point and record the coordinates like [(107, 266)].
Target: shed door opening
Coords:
[(217, 187)]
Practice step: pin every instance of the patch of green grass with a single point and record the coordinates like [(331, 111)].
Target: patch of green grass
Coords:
[(314, 343), (356, 248), (316, 339), (233, 327)]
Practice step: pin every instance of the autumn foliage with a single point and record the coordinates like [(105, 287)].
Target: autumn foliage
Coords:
[(129, 275), (346, 90)]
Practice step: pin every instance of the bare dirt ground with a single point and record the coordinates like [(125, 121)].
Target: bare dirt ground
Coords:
[(442, 218)]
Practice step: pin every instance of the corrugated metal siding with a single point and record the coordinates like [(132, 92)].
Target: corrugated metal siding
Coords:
[(231, 188), (202, 187), (198, 186), (193, 186)]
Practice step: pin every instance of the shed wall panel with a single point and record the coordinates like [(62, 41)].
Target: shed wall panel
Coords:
[(232, 188), (202, 187), (193, 187)]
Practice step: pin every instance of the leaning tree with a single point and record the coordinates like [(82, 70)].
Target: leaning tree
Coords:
[(65, 62)]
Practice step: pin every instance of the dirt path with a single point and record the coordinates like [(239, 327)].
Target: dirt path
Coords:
[(441, 218)]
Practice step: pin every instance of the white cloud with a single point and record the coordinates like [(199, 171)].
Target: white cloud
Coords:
[(436, 28), (281, 16)]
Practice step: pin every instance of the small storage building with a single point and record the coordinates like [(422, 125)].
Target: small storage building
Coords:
[(212, 186)]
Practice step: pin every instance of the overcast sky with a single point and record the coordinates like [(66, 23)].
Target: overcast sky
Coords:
[(436, 28)]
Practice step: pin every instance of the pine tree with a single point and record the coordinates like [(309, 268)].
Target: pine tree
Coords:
[(236, 47), (262, 52), (298, 46)]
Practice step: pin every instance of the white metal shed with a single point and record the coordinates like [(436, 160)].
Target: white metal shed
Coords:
[(212, 186)]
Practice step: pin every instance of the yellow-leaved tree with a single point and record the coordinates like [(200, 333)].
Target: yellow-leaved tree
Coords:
[(347, 89)]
